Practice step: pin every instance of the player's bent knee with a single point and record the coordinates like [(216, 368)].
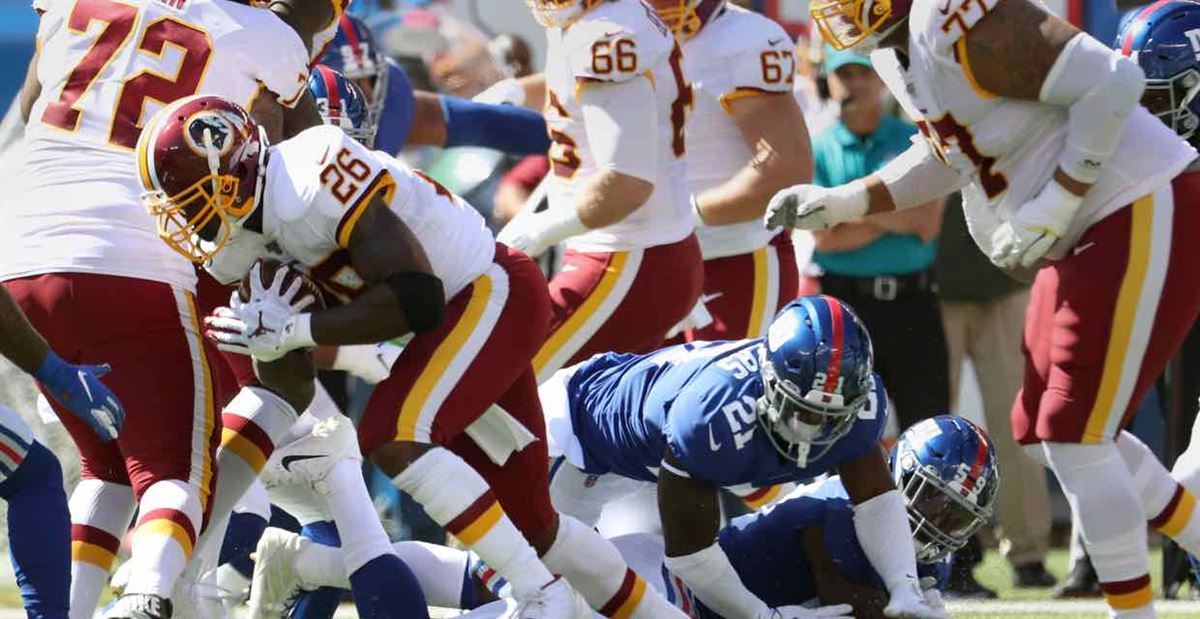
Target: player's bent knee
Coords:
[(1064, 457), (393, 458)]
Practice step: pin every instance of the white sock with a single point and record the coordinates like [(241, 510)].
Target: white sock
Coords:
[(252, 424), (596, 570), (1187, 467), (458, 498), (439, 569), (1168, 505), (169, 515), (362, 535), (319, 565), (100, 515), (1100, 489)]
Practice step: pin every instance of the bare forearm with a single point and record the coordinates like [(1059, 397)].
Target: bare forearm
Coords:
[(429, 120), (535, 90), (745, 196), (925, 221), (848, 236), (373, 317), (19, 341), (610, 197)]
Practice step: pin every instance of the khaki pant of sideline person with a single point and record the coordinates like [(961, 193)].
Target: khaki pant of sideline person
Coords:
[(989, 334)]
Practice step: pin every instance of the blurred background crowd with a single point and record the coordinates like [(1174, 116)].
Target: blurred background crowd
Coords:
[(946, 324)]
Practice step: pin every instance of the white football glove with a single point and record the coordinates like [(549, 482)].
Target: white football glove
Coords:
[(269, 325), (810, 207), (1034, 228), (534, 234), (839, 611), (908, 601)]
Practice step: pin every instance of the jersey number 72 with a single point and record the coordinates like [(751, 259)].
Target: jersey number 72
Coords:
[(194, 44)]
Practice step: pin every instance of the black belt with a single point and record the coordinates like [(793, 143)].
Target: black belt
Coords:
[(880, 287)]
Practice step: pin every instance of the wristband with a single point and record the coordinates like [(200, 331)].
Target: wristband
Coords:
[(51, 367), (297, 333), (696, 214)]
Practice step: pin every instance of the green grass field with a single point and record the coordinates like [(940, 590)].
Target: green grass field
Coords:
[(994, 573)]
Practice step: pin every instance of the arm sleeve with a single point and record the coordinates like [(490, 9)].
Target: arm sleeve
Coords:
[(283, 65), (399, 106), (1100, 89), (508, 128), (622, 125), (917, 176)]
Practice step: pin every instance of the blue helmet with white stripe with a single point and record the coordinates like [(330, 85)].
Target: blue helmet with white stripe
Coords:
[(816, 371), (353, 52), (946, 468), (341, 103), (1164, 39)]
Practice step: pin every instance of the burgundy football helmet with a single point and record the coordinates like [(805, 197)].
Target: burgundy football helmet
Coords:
[(201, 164), (858, 23)]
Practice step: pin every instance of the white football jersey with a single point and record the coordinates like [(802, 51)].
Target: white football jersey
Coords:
[(738, 54), (614, 42), (319, 183), (105, 68), (1009, 148)]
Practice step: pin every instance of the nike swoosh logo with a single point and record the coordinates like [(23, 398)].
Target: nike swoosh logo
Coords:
[(774, 42), (712, 297), (288, 460), (1082, 248), (712, 442), (944, 8)]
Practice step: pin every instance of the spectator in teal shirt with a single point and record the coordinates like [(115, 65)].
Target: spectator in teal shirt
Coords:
[(882, 266)]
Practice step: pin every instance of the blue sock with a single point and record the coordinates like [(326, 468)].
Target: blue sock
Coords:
[(321, 603), (241, 538), (39, 533), (385, 588)]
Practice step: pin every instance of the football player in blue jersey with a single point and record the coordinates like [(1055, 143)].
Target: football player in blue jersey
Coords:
[(698, 417), (800, 549), (407, 116)]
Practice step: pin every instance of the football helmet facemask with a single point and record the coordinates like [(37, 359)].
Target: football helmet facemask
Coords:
[(860, 24)]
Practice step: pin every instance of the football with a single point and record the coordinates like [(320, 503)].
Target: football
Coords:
[(267, 269)]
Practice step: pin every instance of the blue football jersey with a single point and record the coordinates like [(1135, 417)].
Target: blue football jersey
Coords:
[(767, 552), (699, 401), (396, 118)]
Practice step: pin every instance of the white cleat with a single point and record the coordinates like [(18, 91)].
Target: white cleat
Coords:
[(296, 475), (555, 600), (275, 580)]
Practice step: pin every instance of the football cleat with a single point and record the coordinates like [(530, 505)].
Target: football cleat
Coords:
[(139, 606), (296, 475), (275, 581)]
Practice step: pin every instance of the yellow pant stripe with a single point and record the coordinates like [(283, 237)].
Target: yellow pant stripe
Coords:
[(91, 553), (162, 526), (244, 448), (1181, 516), (483, 524), (582, 315)]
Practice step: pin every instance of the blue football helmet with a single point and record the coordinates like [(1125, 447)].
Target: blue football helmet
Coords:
[(353, 52), (341, 103), (816, 371), (1164, 39), (946, 469)]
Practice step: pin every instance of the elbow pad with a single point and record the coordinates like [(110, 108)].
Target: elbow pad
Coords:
[(1101, 88), (622, 126), (917, 177), (421, 297)]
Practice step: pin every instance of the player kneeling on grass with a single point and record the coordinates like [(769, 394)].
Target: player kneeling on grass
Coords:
[(695, 418), (798, 551), (457, 424)]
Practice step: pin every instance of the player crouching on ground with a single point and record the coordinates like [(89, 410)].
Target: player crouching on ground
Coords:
[(399, 254), (802, 549), (695, 418)]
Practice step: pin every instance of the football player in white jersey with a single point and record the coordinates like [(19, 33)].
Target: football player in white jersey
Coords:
[(1065, 175), (747, 140), (617, 101), (81, 257), (457, 423)]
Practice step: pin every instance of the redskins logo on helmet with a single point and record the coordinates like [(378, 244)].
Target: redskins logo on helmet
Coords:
[(200, 161), (687, 17), (560, 13)]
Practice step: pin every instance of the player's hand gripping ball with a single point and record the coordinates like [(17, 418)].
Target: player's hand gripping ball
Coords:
[(260, 319)]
